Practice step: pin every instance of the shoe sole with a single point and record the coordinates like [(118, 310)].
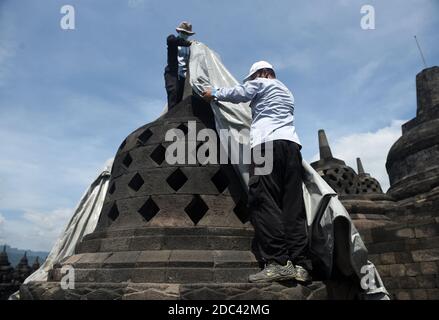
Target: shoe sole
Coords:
[(270, 280), (283, 278), (303, 280)]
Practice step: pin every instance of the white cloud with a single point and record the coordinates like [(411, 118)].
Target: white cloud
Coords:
[(371, 147), (363, 77), (34, 230)]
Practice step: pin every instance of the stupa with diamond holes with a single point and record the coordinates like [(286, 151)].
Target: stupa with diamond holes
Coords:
[(169, 231), (360, 193)]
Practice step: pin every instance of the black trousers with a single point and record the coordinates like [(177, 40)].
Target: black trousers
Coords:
[(174, 88), (276, 206)]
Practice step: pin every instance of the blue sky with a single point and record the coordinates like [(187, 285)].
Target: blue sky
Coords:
[(69, 97)]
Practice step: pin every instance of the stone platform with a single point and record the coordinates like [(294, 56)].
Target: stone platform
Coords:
[(156, 291)]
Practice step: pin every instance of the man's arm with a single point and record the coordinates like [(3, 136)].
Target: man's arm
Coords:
[(239, 93)]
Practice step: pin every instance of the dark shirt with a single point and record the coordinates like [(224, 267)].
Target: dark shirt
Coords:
[(173, 43)]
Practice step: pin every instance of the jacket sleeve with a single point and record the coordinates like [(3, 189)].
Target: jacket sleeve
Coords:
[(177, 41), (239, 93)]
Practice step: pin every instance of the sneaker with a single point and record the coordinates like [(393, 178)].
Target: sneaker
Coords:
[(301, 274), (274, 272)]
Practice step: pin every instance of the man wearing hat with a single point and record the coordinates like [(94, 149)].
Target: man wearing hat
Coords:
[(178, 61), (275, 199)]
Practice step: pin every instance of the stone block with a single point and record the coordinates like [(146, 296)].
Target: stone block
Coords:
[(427, 231), (125, 259), (230, 258), (153, 258), (403, 295), (188, 275), (156, 292), (405, 233), (422, 243), (186, 243), (85, 275), (113, 275), (92, 260), (428, 268), (146, 243), (383, 247), (72, 259), (426, 282), (426, 255), (403, 257), (102, 294), (412, 269), (408, 282), (388, 258), (384, 270), (397, 270), (391, 283), (201, 293), (225, 275), (88, 246), (191, 258), (433, 294), (116, 244), (419, 294), (155, 275)]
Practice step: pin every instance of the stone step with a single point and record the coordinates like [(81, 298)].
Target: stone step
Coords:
[(417, 282), (428, 228), (171, 231), (415, 294), (413, 269), (158, 275), (164, 258), (408, 246), (404, 257), (168, 291), (170, 266), (163, 242), (156, 238)]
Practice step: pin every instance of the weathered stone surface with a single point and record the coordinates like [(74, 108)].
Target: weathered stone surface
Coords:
[(153, 291), (428, 268), (411, 162), (397, 270), (413, 269), (426, 255)]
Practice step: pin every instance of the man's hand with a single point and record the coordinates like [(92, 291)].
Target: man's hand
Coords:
[(207, 95)]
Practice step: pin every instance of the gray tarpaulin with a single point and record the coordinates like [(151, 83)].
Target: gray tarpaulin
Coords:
[(84, 221)]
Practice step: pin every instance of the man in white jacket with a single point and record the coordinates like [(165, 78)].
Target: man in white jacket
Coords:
[(276, 205)]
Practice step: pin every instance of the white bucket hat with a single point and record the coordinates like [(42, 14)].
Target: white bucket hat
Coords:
[(256, 67)]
